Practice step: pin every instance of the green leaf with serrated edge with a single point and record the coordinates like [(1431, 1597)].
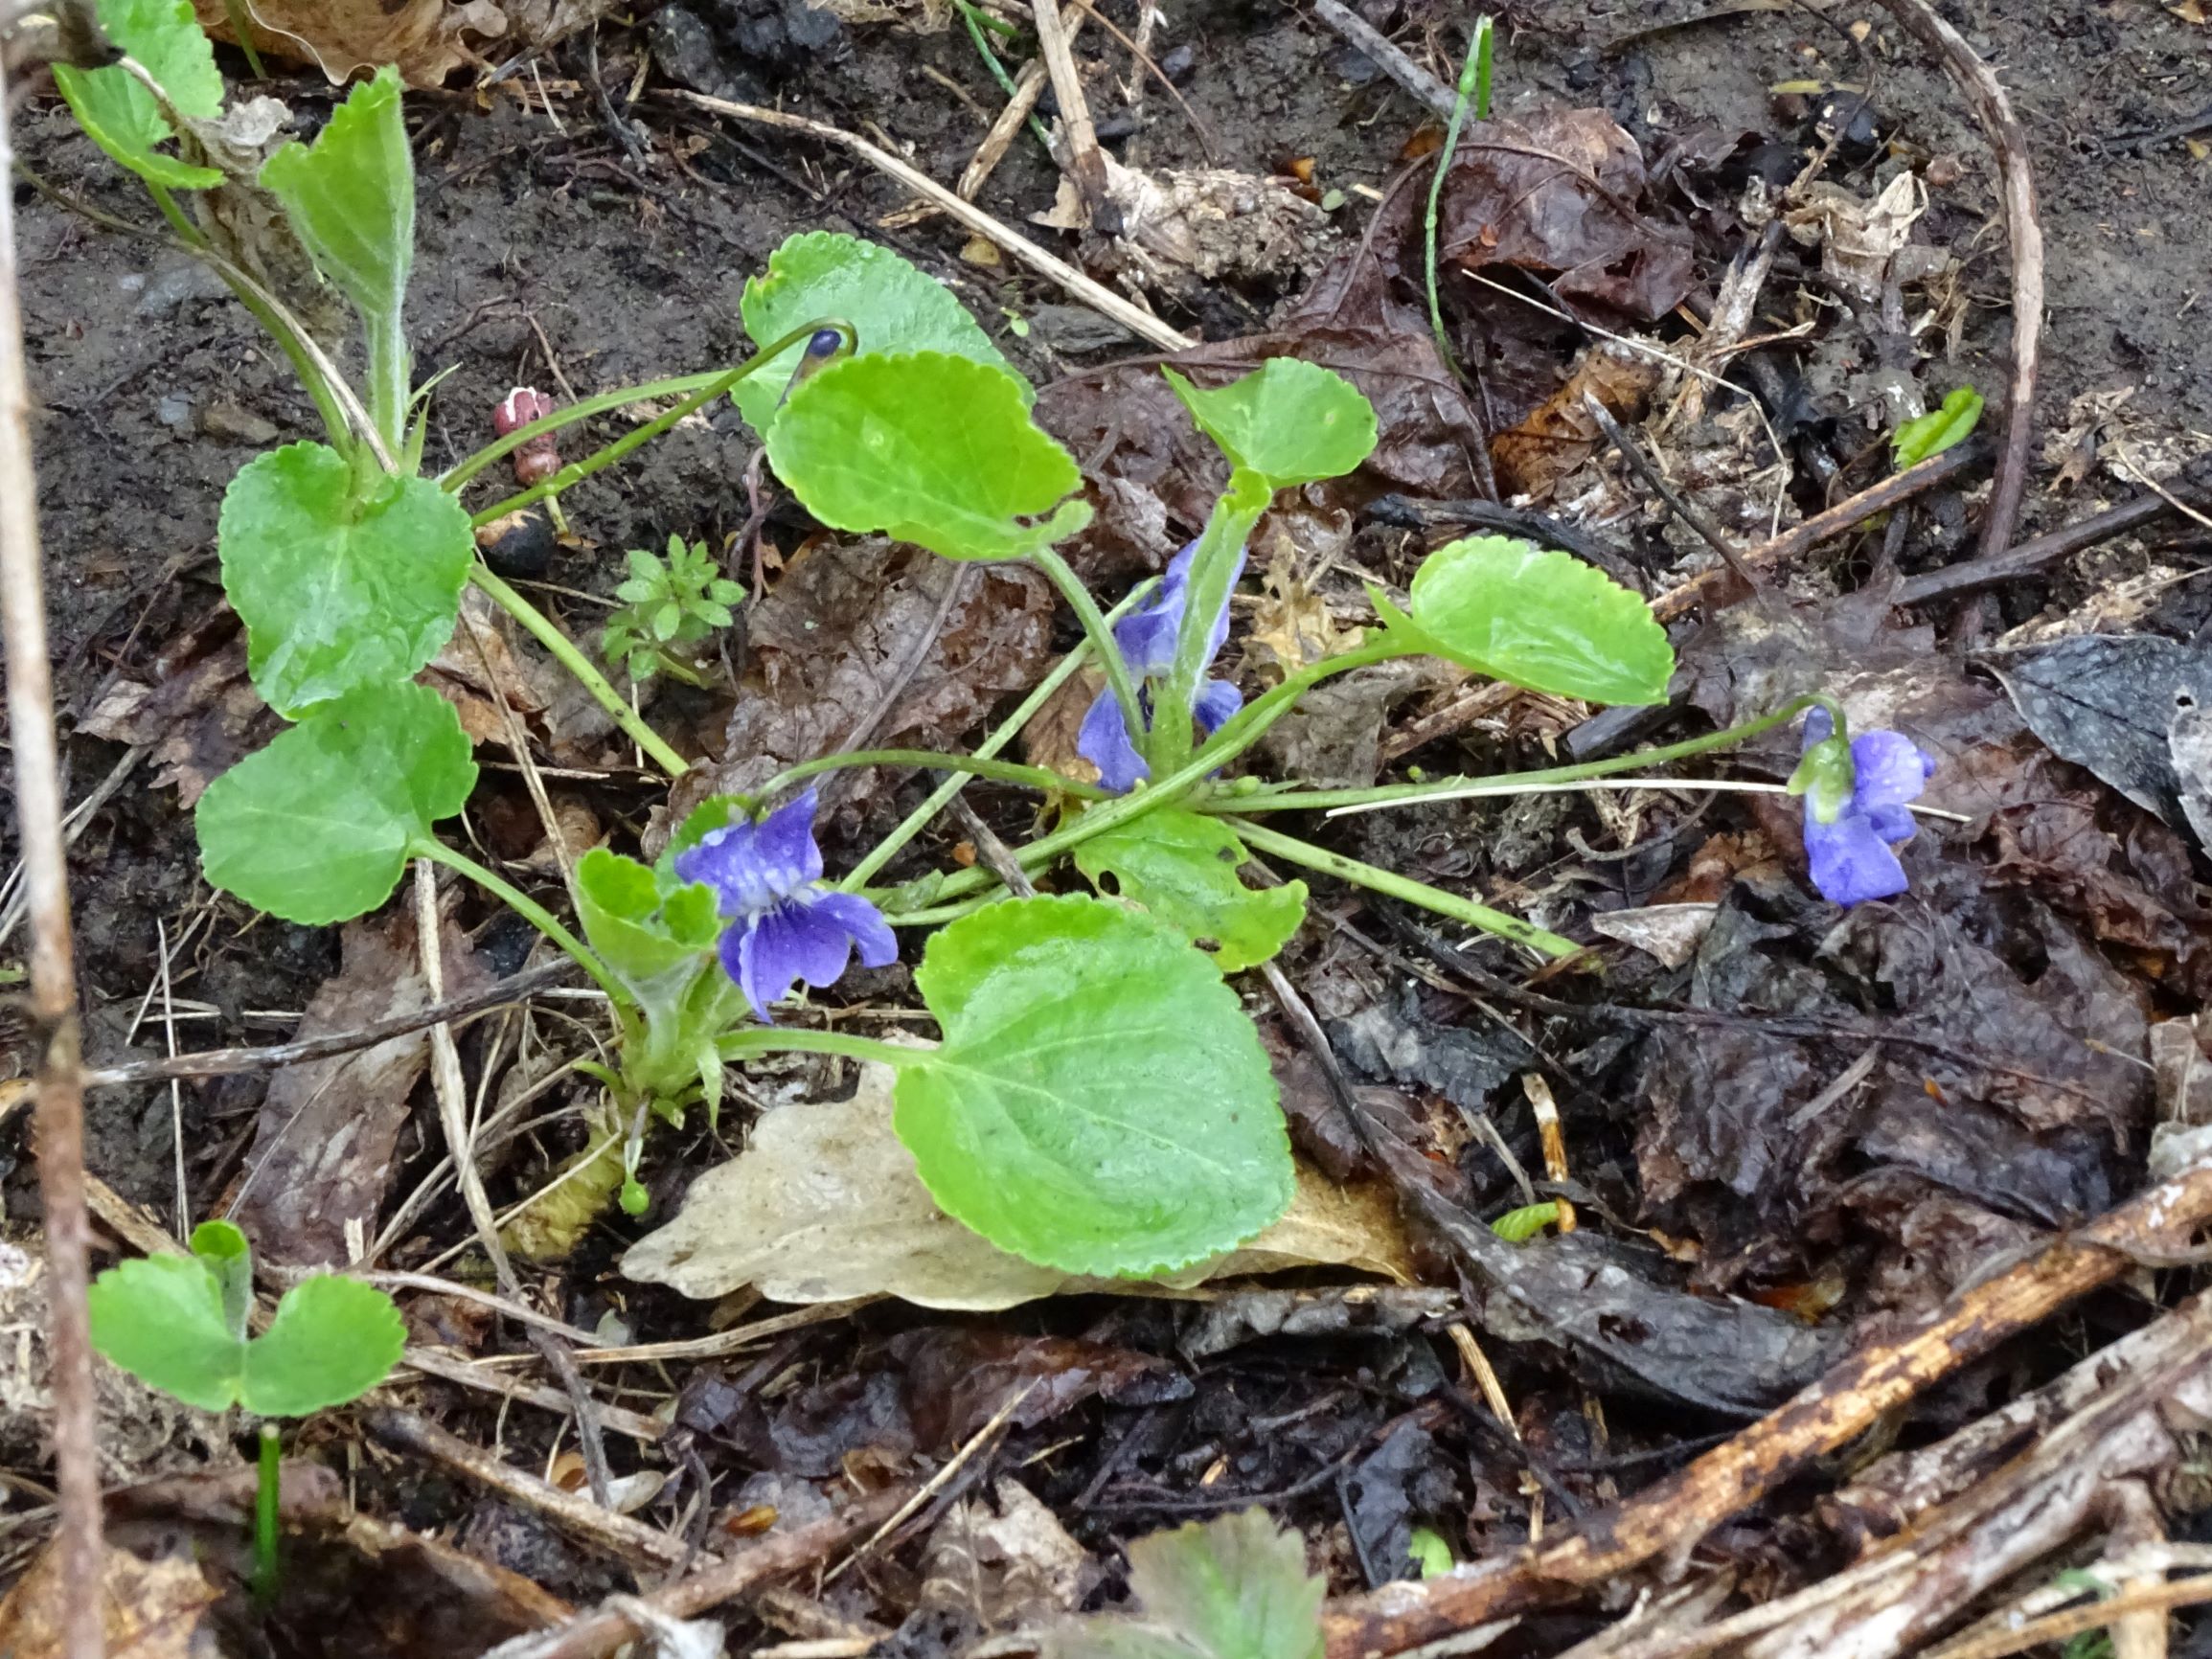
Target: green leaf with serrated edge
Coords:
[(1536, 618), (317, 827), (351, 199), (338, 592), (332, 1340), (122, 115), (1100, 1103), (1234, 1587), (222, 1249), (824, 275), (1938, 430), (161, 1319), (1182, 868), (1289, 422), (929, 448)]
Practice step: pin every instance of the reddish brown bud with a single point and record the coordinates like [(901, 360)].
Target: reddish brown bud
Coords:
[(539, 459)]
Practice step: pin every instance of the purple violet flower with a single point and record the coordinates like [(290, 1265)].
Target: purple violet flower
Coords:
[(1852, 856), (785, 925), (1146, 639)]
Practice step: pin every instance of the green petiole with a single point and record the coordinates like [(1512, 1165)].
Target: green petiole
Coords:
[(1474, 88), (777, 1039), (1293, 800), (1102, 639), (530, 910), (928, 760), (564, 650), (269, 1489), (1403, 887)]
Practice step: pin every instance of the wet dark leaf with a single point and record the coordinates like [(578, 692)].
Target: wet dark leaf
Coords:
[(1559, 194), (328, 1135), (843, 628), (1401, 1482), (2108, 702), (811, 1430), (957, 1377)]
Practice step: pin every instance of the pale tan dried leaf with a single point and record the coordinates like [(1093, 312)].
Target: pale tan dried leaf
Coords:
[(428, 39), (824, 1204)]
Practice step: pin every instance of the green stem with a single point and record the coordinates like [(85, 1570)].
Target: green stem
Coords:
[(775, 1039), (570, 657), (1473, 87), (1212, 569), (1006, 771), (388, 377), (529, 909), (1102, 639), (268, 1490), (1009, 728), (977, 21), (1507, 782), (696, 390), (1403, 887), (1226, 745), (242, 27)]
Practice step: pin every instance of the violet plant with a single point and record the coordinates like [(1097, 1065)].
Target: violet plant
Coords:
[(1099, 1101)]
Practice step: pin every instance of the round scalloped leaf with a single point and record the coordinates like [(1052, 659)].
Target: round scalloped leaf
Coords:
[(1100, 1103), (928, 448), (332, 1340), (822, 276), (161, 1318), (123, 116), (338, 593), (317, 827), (1290, 421), (1541, 619), (1183, 867)]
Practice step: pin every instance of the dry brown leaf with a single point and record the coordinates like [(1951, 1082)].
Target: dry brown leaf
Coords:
[(1858, 238), (329, 1132), (1531, 457), (824, 1204), (1181, 229), (428, 39), (155, 1609)]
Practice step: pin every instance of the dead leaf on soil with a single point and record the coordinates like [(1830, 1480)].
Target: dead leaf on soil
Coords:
[(1182, 230), (959, 1377), (1558, 194), (428, 39), (1006, 1568), (161, 1608), (1556, 437), (199, 712), (1858, 238), (842, 627), (824, 1204), (329, 1131)]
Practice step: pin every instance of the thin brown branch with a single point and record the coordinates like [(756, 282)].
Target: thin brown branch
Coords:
[(55, 1031), (1854, 1394), (1377, 48), (2026, 229), (1847, 514), (2037, 556), (230, 1062), (1086, 162)]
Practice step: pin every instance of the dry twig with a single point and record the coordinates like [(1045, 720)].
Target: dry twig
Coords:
[(61, 1074), (2025, 228), (1378, 49)]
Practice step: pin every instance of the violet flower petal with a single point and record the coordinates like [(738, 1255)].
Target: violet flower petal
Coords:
[(799, 938), (871, 934), (1218, 701), (1889, 769), (1851, 861), (752, 867), (1103, 741)]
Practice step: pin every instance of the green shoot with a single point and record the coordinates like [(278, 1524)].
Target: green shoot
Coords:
[(669, 606), (1474, 88), (1938, 430)]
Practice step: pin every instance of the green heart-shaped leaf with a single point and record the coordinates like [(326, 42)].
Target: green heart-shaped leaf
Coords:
[(929, 448), (1537, 618), (161, 1319), (332, 1340), (1100, 1103), (338, 592), (123, 116), (1234, 1587), (1182, 868), (823, 276), (1292, 421), (317, 827)]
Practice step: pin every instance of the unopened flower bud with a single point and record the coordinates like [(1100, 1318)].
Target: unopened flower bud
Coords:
[(539, 459)]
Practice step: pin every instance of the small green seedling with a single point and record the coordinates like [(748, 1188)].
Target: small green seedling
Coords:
[(178, 1324), (670, 606), (1429, 1552), (1938, 430), (1519, 1226)]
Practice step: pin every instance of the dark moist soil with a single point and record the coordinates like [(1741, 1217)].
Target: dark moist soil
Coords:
[(535, 237)]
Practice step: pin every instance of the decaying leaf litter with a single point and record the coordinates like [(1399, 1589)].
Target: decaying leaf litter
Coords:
[(1802, 1149)]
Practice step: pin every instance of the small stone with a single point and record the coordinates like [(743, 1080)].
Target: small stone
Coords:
[(236, 426)]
